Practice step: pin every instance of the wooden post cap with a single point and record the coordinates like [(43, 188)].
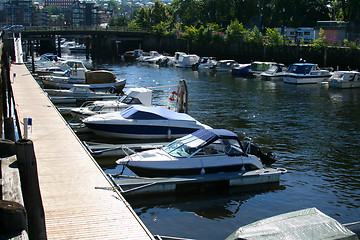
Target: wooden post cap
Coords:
[(12, 217)]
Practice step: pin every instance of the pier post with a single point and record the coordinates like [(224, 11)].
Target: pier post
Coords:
[(9, 129), (30, 187), (87, 44), (12, 217), (59, 46), (32, 56)]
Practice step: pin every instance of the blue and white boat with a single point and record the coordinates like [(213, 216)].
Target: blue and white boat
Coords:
[(141, 122), (305, 73), (206, 151)]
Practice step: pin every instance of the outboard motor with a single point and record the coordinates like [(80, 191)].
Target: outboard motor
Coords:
[(267, 159)]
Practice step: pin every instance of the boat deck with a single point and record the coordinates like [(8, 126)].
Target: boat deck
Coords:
[(134, 185), (79, 201)]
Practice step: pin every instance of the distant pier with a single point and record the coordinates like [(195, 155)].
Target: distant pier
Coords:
[(79, 201)]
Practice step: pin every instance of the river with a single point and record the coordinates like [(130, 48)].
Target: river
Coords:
[(314, 132)]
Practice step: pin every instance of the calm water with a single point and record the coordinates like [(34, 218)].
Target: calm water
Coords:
[(314, 131)]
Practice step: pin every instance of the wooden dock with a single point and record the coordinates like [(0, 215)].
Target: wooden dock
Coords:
[(79, 201)]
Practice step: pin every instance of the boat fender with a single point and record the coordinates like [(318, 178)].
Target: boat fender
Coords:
[(173, 95), (168, 134)]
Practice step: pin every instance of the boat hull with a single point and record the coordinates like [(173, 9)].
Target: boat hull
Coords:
[(344, 84), (140, 131), (118, 85), (171, 172), (305, 79)]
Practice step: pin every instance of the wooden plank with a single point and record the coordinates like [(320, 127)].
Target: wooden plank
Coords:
[(75, 207)]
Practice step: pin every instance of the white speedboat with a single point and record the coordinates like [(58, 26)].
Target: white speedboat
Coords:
[(258, 67), (148, 58), (205, 151), (81, 92), (225, 66), (141, 122), (132, 55), (187, 60), (99, 80), (344, 79), (206, 64), (274, 73), (306, 73), (133, 96)]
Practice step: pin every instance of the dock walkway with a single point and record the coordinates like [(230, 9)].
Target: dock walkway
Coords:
[(74, 189)]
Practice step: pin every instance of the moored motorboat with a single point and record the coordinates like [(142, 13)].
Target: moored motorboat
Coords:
[(225, 66), (205, 151), (242, 70), (274, 73), (99, 80), (79, 92), (133, 96), (344, 79), (187, 60), (306, 73), (205, 64), (141, 122), (132, 55), (258, 67)]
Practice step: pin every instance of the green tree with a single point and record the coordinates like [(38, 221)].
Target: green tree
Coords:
[(236, 32), (152, 16), (53, 9), (273, 37), (255, 37), (113, 6), (319, 44), (143, 18), (161, 29), (133, 26), (188, 12), (191, 34)]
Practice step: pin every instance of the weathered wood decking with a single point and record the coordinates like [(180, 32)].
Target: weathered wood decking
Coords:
[(71, 182)]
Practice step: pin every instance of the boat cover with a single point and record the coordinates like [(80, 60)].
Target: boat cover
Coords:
[(304, 224), (204, 137), (154, 113)]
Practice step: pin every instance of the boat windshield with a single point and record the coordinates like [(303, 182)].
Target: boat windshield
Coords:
[(188, 147), (272, 69), (300, 69), (129, 100)]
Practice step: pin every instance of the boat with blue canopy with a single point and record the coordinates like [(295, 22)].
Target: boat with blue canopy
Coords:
[(143, 122), (206, 151), (306, 73)]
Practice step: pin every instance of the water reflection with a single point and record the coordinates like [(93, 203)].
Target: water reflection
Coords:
[(224, 204)]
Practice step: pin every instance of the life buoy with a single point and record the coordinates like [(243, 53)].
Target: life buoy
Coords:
[(172, 96)]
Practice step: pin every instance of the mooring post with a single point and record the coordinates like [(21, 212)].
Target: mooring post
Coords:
[(30, 187), (32, 56), (58, 46), (12, 217), (9, 129)]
